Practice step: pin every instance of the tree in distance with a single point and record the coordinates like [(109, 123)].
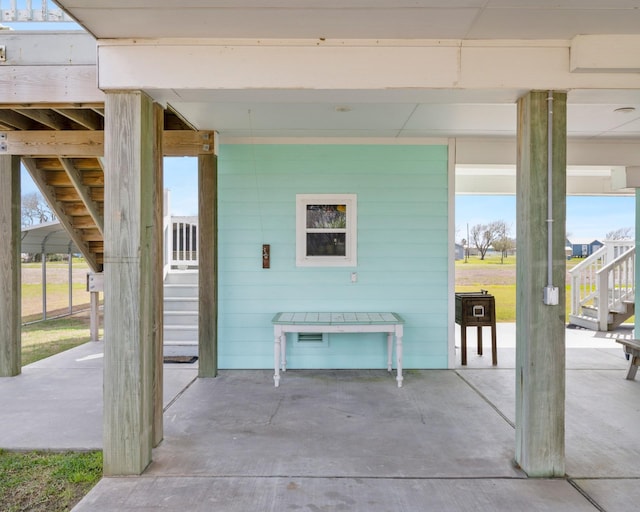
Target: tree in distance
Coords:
[(494, 234), (35, 210), (620, 234)]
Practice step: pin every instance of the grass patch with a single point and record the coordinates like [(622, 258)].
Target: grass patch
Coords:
[(44, 339), (505, 296), (46, 482)]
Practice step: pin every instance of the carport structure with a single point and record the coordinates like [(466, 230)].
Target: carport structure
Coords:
[(496, 83)]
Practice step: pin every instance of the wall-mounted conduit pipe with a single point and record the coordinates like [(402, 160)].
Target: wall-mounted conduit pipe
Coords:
[(550, 296)]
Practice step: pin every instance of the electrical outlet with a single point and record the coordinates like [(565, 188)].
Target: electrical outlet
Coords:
[(3, 53), (551, 296)]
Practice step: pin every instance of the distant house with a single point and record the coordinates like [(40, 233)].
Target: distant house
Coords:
[(459, 252), (584, 247)]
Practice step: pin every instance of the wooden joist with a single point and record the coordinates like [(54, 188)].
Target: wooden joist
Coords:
[(90, 143), (87, 118)]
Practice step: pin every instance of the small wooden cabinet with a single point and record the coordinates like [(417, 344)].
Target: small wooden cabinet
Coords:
[(476, 309)]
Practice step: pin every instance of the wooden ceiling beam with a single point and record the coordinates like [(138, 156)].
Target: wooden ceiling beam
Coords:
[(49, 193), (90, 143), (56, 105), (84, 192), (55, 143)]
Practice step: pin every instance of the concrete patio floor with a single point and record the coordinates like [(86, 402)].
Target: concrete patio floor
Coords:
[(347, 440)]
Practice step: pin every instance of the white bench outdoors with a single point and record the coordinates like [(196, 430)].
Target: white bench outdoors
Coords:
[(632, 349), (391, 323)]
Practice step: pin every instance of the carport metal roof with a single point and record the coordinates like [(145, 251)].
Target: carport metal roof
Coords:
[(48, 237)]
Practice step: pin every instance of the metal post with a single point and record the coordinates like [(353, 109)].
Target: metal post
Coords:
[(44, 283), (94, 322), (70, 281)]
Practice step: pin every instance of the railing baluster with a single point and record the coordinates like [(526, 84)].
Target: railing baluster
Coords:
[(25, 11), (605, 279), (185, 230)]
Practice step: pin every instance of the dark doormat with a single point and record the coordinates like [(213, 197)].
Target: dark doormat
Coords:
[(180, 359)]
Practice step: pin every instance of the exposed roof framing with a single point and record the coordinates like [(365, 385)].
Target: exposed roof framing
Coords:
[(61, 146)]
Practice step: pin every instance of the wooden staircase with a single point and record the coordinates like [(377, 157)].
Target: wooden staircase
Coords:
[(74, 189), (62, 145)]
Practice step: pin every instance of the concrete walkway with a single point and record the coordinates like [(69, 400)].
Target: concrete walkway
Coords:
[(347, 440)]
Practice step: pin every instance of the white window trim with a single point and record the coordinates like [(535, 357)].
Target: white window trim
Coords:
[(350, 258)]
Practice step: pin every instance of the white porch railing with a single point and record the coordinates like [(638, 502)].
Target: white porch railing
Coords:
[(604, 281), (31, 10), (180, 236)]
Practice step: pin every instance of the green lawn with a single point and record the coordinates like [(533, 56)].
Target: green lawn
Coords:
[(505, 296), (46, 482), (44, 339)]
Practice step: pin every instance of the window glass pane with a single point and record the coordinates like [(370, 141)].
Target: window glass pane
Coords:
[(327, 216), (326, 244)]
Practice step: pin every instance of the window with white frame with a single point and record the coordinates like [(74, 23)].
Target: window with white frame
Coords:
[(326, 230)]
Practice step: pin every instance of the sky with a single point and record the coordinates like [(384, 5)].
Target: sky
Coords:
[(589, 217), (594, 217)]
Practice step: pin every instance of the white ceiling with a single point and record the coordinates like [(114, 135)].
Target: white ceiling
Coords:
[(403, 119), (355, 19), (429, 113)]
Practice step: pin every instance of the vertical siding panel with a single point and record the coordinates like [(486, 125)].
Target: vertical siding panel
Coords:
[(402, 250)]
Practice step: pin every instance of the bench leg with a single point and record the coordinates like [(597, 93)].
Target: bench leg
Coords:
[(633, 366), (283, 352), (479, 340), (463, 348), (276, 355), (399, 378), (389, 351), (494, 345)]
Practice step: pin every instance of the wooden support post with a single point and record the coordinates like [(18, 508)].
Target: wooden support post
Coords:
[(208, 265), (129, 312), (540, 328), (10, 308), (158, 285)]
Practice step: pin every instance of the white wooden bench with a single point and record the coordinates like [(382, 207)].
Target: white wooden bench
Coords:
[(316, 322), (632, 349)]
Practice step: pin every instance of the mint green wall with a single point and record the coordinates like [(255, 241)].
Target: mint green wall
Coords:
[(402, 251)]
